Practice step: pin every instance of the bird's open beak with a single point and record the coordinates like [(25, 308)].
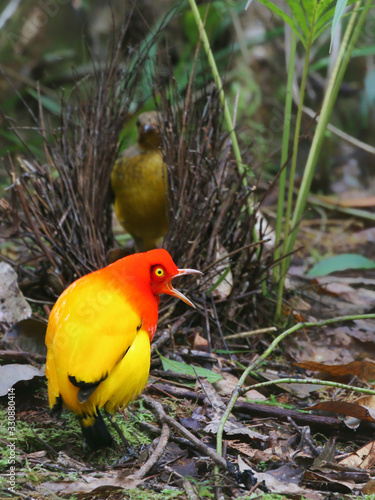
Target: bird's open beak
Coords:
[(150, 127), (176, 293)]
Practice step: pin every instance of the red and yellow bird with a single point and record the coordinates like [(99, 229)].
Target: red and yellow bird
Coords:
[(98, 338)]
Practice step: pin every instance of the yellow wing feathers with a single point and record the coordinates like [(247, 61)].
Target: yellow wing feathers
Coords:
[(96, 343)]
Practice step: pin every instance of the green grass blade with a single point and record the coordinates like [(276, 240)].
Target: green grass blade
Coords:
[(178, 367), (339, 11), (284, 150)]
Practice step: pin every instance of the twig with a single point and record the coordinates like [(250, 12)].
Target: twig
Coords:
[(18, 494), (159, 450), (234, 252), (117, 428), (22, 356), (257, 409), (206, 450), (343, 135), (44, 443), (190, 493), (30, 220), (219, 327), (249, 334), (166, 334), (163, 441), (254, 488), (304, 437), (208, 331), (197, 443), (156, 430)]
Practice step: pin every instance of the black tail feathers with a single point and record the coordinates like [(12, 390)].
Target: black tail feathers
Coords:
[(97, 436)]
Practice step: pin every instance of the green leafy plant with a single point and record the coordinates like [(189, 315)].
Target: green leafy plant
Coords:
[(341, 263), (307, 21)]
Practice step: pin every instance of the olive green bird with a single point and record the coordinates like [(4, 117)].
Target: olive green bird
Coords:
[(140, 185)]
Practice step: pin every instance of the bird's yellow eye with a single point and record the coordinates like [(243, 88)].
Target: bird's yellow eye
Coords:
[(159, 272)]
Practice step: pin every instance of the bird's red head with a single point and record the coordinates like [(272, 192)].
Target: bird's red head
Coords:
[(141, 273), (162, 271)]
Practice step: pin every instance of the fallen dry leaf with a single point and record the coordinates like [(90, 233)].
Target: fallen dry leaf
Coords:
[(233, 428), (229, 382), (198, 342), (302, 390), (364, 458), (92, 485), (358, 300), (344, 408), (11, 374), (220, 280), (283, 480), (13, 305), (344, 201), (362, 369), (323, 481), (27, 335), (369, 488)]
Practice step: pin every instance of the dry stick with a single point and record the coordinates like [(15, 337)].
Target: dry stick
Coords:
[(22, 356), (234, 252), (254, 488), (45, 444), (190, 493), (186, 434), (18, 494), (159, 450), (167, 334), (237, 391), (343, 135), (252, 332), (253, 409), (117, 428), (43, 129), (219, 328), (208, 331), (155, 457), (28, 216), (150, 428), (197, 443), (304, 436)]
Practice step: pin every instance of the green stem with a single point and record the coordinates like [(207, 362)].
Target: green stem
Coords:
[(314, 381), (284, 150), (237, 391), (227, 115), (219, 85), (285, 262)]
